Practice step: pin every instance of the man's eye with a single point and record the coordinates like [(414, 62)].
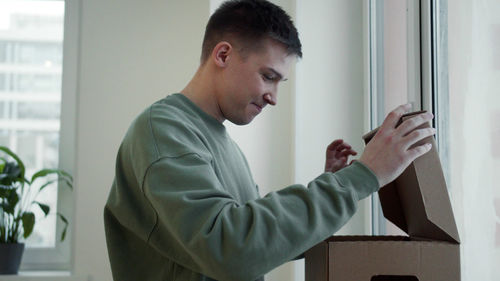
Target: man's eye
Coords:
[(268, 77)]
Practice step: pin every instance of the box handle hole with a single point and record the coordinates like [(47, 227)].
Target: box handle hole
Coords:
[(394, 278)]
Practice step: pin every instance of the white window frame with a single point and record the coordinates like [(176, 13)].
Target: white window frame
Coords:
[(60, 258), (436, 96), (427, 73)]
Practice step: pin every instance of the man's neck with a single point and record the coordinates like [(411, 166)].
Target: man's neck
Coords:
[(201, 91)]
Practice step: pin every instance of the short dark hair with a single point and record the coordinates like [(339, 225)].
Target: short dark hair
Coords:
[(249, 22)]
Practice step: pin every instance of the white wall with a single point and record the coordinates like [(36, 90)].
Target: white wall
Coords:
[(330, 91), (330, 85), (132, 54), (474, 114)]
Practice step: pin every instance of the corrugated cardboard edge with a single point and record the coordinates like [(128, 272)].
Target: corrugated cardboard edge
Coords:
[(377, 255), (316, 262), (354, 257)]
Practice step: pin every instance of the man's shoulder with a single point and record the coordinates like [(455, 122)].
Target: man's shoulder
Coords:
[(170, 106), (171, 111), (168, 128)]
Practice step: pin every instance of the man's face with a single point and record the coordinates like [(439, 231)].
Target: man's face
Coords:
[(249, 84)]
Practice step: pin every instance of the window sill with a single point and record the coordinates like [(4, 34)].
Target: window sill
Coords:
[(42, 276)]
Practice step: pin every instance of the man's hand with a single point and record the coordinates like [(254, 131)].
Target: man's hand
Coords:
[(389, 153), (337, 154)]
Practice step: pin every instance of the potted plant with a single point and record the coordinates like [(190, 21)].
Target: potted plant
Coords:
[(17, 198)]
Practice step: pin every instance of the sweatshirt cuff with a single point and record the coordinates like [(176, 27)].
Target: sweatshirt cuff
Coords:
[(360, 178)]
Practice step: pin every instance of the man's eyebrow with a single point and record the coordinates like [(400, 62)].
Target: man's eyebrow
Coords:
[(280, 76)]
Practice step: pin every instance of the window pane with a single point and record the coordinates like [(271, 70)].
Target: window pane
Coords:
[(40, 83), (473, 114), (3, 82), (38, 110), (38, 53), (397, 68), (3, 52), (31, 34)]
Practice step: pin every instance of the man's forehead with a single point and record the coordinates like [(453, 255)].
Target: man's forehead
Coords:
[(264, 48), (271, 56)]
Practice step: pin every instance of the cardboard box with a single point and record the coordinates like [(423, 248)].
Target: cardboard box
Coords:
[(418, 203)]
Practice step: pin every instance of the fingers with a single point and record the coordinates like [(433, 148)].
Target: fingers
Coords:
[(339, 148), (337, 154), (393, 117), (392, 149), (413, 123), (418, 135), (418, 151), (343, 147), (335, 144), (347, 152)]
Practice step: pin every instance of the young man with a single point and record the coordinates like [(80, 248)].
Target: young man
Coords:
[(184, 206)]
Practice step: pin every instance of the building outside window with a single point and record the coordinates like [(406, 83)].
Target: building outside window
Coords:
[(31, 44)]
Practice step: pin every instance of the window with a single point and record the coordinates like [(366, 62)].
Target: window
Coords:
[(394, 72), (33, 121), (456, 70)]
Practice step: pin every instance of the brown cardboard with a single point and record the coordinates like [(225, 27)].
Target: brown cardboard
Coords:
[(418, 203), (364, 258)]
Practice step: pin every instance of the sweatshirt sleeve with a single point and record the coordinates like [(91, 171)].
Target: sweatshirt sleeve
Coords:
[(201, 227)]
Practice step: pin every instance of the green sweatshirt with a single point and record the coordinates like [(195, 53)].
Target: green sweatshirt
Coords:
[(183, 205)]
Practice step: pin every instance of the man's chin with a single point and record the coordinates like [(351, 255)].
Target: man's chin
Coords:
[(241, 122)]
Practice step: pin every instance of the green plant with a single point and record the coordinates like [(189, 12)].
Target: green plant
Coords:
[(17, 196)]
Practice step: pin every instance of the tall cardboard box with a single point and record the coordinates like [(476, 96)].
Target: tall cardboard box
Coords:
[(418, 203)]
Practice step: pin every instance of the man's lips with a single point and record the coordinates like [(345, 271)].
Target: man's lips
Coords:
[(259, 108)]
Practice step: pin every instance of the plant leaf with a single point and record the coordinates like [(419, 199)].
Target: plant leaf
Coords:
[(14, 170), (18, 160), (9, 205), (10, 173), (63, 218), (63, 234), (56, 180), (48, 183), (4, 191), (28, 219), (45, 172), (45, 208), (3, 234)]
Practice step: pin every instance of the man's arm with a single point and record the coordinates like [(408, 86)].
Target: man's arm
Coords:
[(200, 226)]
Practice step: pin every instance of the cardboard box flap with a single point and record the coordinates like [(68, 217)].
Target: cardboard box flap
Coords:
[(417, 201)]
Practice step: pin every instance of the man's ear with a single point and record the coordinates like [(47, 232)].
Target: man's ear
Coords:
[(221, 53)]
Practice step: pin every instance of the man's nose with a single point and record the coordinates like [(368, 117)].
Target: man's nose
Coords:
[(270, 99)]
